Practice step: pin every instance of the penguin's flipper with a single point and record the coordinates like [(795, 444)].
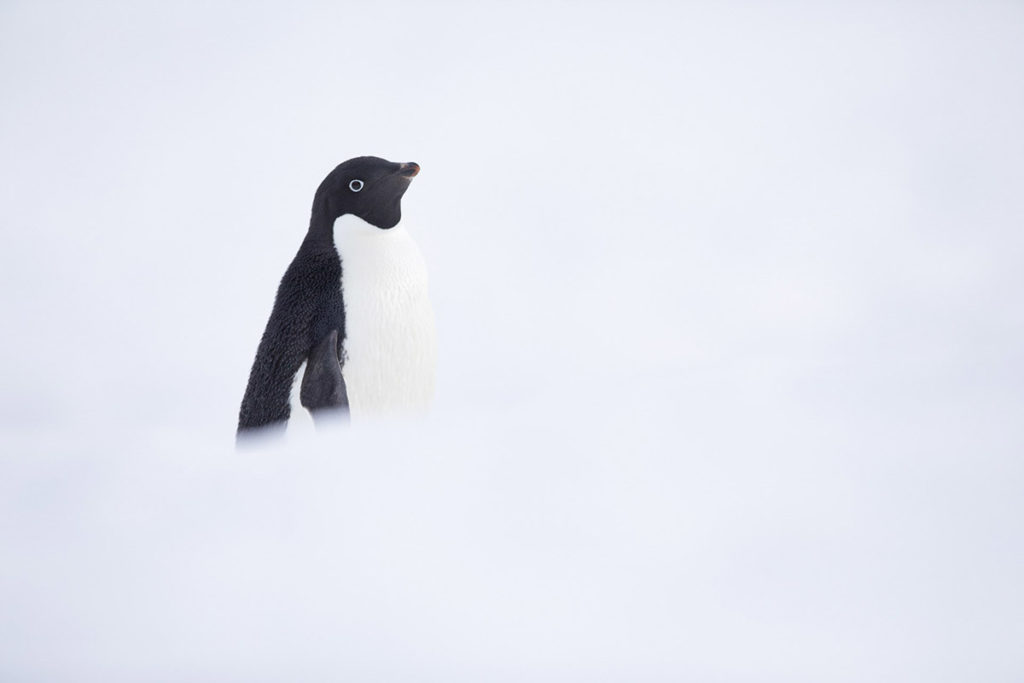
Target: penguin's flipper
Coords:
[(323, 390)]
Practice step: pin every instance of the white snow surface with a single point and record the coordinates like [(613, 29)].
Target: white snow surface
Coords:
[(730, 333)]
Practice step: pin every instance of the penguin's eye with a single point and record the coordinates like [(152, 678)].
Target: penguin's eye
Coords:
[(355, 185)]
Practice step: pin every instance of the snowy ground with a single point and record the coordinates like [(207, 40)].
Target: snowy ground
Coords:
[(728, 301)]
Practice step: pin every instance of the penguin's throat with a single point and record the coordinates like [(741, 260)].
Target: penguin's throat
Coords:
[(350, 223)]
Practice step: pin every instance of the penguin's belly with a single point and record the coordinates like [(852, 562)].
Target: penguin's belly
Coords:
[(390, 344)]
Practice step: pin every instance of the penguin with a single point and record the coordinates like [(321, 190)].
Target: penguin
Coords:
[(353, 306)]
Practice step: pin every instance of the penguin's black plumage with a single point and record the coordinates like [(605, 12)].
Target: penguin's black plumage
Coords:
[(307, 322)]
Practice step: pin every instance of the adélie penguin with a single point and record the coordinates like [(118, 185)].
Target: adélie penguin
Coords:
[(353, 306)]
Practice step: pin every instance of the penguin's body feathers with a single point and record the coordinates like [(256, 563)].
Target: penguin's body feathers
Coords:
[(307, 310), (390, 346)]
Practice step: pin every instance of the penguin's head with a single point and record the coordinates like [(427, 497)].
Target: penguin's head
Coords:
[(368, 187)]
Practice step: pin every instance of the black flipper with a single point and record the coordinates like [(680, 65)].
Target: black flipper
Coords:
[(323, 387)]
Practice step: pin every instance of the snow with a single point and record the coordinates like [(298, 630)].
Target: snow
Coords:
[(729, 381)]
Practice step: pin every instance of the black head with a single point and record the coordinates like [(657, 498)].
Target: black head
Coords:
[(368, 187)]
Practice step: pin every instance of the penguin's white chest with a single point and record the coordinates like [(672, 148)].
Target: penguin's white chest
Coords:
[(390, 342)]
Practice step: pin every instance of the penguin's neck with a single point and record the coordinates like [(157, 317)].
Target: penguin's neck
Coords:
[(383, 260), (348, 225), (321, 227)]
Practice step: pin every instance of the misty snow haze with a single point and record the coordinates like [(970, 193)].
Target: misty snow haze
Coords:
[(729, 325)]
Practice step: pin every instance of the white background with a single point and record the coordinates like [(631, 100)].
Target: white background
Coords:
[(729, 308)]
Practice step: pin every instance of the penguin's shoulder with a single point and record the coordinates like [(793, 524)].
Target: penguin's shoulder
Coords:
[(308, 301), (314, 268)]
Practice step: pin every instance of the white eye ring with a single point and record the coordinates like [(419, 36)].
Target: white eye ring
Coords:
[(355, 185)]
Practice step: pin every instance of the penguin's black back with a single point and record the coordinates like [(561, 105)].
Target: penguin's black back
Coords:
[(308, 306)]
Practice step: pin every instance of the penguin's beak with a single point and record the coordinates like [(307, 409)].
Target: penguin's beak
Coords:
[(409, 170)]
